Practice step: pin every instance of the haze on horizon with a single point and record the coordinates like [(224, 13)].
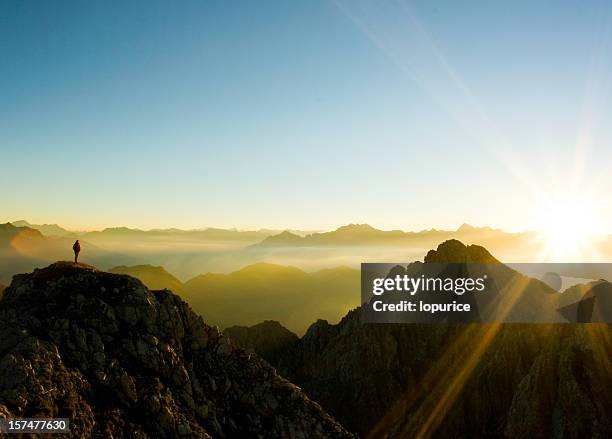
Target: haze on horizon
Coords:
[(306, 115)]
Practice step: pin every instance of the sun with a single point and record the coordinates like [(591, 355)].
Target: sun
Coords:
[(570, 229)]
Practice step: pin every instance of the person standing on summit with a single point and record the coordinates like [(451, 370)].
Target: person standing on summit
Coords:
[(77, 248)]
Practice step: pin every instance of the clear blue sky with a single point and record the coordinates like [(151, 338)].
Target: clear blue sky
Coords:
[(301, 114)]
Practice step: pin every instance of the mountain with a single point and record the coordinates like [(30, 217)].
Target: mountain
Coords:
[(45, 229), (184, 253), (366, 235), (269, 339), (13, 235), (208, 234), (155, 278), (16, 244), (120, 360), (590, 302), (450, 380), (390, 245), (274, 292), (22, 249), (2, 288), (285, 238)]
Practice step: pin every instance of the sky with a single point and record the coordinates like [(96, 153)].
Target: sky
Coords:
[(304, 114)]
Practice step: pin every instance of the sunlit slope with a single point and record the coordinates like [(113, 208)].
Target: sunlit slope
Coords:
[(155, 278), (22, 249), (272, 292), (45, 229), (15, 256)]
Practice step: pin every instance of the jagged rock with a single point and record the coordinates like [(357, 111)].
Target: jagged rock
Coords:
[(454, 251), (454, 380), (531, 381), (122, 361)]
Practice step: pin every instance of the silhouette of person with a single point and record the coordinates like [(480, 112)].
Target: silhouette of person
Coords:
[(77, 248)]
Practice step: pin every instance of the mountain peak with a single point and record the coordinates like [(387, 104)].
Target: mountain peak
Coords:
[(11, 230), (468, 228), (356, 228), (283, 238), (124, 361), (454, 251), (45, 229), (465, 227)]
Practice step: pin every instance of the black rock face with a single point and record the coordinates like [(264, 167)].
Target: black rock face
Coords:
[(453, 380), (122, 361)]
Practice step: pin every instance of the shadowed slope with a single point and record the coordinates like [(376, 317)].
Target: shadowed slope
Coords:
[(122, 361), (454, 380)]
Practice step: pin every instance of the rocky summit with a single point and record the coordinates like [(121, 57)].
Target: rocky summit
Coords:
[(121, 361), (450, 380)]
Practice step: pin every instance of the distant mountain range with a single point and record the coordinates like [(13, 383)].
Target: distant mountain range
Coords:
[(349, 235), (366, 235), (209, 233), (188, 253), (45, 229)]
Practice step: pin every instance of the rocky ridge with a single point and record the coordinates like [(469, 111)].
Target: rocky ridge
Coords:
[(452, 380), (120, 360)]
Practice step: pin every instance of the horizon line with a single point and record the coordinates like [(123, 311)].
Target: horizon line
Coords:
[(274, 229)]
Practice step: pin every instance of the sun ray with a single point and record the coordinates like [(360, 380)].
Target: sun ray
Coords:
[(399, 34), (442, 384)]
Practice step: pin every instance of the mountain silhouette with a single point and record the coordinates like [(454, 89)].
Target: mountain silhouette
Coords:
[(208, 234), (22, 249), (273, 292), (593, 304), (10, 233), (155, 278), (15, 246), (45, 229), (450, 380), (120, 360), (366, 235)]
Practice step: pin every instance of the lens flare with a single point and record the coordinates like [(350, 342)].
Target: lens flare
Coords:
[(570, 228)]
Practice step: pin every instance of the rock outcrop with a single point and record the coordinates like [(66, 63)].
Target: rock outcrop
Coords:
[(454, 380), (120, 360)]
